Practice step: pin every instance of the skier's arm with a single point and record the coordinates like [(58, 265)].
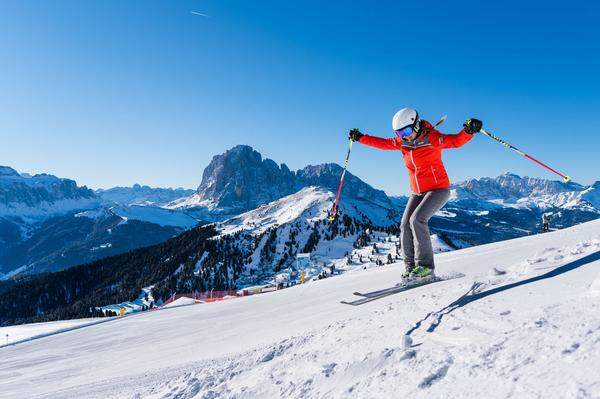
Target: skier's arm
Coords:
[(381, 143), (471, 126), (450, 140)]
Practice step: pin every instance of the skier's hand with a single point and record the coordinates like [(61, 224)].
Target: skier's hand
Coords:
[(355, 135), (473, 125)]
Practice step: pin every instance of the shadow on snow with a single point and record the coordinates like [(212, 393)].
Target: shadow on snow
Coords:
[(473, 295)]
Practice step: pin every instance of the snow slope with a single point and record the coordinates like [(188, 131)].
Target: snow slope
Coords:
[(19, 333), (311, 202), (523, 322), (156, 215), (143, 213)]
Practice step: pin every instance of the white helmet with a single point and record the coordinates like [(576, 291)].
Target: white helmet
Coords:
[(404, 118)]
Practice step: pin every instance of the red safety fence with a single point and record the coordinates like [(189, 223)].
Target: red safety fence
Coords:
[(207, 296)]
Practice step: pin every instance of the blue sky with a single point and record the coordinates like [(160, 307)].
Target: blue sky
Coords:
[(122, 92)]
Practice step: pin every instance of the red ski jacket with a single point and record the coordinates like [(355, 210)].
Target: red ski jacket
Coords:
[(423, 156)]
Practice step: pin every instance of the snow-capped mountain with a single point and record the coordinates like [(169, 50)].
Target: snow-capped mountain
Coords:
[(328, 176), (588, 198), (240, 180), (237, 181), (490, 209), (310, 203), (76, 238), (513, 191), (511, 187), (49, 223), (273, 234), (40, 196)]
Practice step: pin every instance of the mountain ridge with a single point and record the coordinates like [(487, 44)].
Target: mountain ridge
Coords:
[(241, 179)]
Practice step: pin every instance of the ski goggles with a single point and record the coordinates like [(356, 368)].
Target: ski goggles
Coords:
[(404, 132)]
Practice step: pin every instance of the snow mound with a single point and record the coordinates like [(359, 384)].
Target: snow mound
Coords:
[(181, 302)]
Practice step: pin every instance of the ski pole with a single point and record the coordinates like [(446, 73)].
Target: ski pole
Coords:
[(442, 120), (566, 178), (339, 190)]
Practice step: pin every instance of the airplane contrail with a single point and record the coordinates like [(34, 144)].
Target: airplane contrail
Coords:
[(199, 13)]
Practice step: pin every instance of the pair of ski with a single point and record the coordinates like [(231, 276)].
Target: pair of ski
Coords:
[(401, 287)]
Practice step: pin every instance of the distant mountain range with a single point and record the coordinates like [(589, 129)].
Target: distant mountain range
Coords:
[(143, 195), (48, 223), (490, 209), (36, 197)]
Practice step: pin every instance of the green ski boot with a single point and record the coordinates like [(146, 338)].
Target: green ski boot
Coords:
[(422, 271)]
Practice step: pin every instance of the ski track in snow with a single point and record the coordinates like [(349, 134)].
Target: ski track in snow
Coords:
[(523, 323)]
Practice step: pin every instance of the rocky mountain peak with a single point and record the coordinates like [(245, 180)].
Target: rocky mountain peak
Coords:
[(328, 175), (240, 179)]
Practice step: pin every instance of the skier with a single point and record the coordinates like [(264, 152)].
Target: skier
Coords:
[(421, 145), (545, 223)]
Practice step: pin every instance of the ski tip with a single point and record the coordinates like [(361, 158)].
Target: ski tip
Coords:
[(566, 179)]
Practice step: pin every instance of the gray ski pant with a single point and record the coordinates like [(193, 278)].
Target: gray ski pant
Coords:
[(414, 228)]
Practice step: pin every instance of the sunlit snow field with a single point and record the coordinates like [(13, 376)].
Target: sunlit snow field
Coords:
[(522, 323)]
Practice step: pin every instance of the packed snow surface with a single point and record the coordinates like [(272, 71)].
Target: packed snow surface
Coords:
[(522, 323), (19, 333)]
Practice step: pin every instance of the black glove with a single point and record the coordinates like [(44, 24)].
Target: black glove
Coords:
[(473, 125), (355, 135)]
